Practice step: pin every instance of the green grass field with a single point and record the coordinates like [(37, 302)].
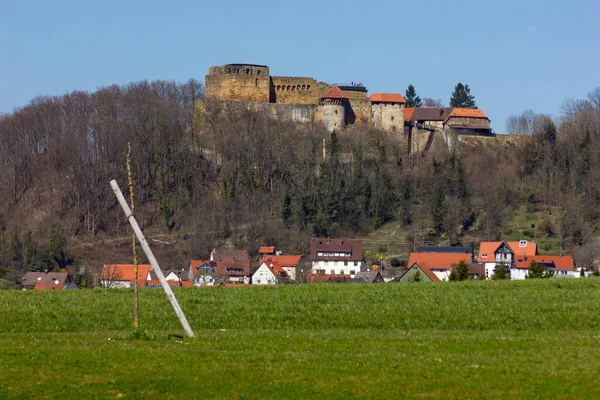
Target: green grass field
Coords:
[(514, 339)]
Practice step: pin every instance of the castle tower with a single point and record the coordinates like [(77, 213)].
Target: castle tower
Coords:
[(246, 82), (333, 106), (387, 111)]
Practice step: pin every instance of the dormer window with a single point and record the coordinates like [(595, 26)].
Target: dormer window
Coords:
[(523, 243)]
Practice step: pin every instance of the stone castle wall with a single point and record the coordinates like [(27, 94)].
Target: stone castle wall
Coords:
[(361, 109), (238, 82), (471, 122), (388, 116), (297, 90)]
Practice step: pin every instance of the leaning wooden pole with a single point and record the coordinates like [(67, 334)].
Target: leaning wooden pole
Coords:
[(155, 266)]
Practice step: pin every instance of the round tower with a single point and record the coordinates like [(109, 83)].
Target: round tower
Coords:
[(333, 106)]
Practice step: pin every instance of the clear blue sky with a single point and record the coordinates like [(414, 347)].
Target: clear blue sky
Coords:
[(515, 55)]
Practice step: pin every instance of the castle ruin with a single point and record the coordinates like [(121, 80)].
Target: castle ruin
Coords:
[(302, 99)]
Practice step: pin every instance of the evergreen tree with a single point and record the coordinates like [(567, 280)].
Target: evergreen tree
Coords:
[(286, 209), (461, 97), (500, 272), (536, 271), (462, 271), (411, 97), (438, 210)]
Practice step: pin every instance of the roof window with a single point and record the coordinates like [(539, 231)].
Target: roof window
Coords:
[(523, 243)]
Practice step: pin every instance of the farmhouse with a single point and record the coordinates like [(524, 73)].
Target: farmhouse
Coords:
[(269, 274)]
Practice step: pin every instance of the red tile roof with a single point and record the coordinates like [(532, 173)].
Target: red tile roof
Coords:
[(125, 272), (466, 113), (408, 112), (387, 98), (559, 262), (284, 261), (266, 250), (48, 286), (530, 248), (487, 250), (437, 260), (335, 93)]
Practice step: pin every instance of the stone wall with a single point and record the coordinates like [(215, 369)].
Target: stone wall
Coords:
[(388, 116), (294, 90), (355, 92), (470, 122), (238, 82), (361, 109)]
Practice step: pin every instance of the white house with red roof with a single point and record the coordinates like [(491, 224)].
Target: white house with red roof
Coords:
[(440, 264), (559, 266), (269, 274), (493, 254)]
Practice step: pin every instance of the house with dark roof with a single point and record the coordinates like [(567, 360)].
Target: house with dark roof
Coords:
[(336, 256), (46, 281), (368, 277), (460, 120), (445, 249)]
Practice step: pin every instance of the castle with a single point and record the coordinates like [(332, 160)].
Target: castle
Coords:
[(302, 99)]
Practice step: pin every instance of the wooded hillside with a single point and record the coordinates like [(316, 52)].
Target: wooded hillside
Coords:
[(208, 176)]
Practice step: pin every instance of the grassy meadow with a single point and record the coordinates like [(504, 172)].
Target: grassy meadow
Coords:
[(513, 339)]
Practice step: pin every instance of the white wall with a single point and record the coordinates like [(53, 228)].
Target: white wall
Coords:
[(263, 276), (337, 267)]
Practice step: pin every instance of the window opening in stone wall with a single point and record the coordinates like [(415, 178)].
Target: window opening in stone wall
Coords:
[(258, 72), (307, 87), (303, 87), (293, 88), (298, 87), (247, 71), (278, 87), (256, 81), (288, 87)]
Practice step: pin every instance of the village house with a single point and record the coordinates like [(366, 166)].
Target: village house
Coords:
[(493, 254), (123, 275), (439, 263), (417, 273), (227, 266), (336, 256), (269, 274), (288, 263), (559, 266), (368, 277), (47, 281)]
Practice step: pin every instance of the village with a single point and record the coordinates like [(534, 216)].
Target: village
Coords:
[(331, 261)]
